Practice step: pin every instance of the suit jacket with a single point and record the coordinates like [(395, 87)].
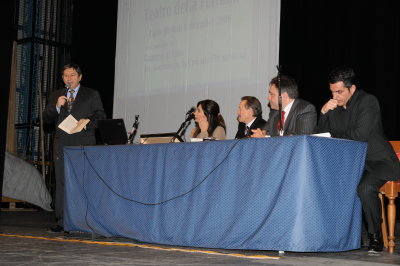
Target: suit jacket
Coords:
[(258, 123), (301, 120), (87, 104), (361, 121)]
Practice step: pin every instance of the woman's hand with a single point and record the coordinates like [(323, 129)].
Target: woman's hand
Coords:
[(203, 125)]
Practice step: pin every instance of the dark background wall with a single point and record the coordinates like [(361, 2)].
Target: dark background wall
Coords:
[(94, 33), (8, 35), (317, 36)]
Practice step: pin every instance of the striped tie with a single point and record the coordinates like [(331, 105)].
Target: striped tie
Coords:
[(283, 121), (71, 100)]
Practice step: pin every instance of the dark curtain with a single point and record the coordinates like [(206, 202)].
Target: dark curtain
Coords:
[(316, 36), (8, 36), (94, 37)]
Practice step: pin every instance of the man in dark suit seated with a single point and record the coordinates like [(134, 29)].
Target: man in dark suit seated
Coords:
[(82, 103), (249, 117), (354, 114), (298, 116)]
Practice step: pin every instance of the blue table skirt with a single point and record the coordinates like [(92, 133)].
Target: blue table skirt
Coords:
[(294, 193)]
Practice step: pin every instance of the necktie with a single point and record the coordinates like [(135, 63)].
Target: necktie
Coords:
[(283, 121), (71, 100)]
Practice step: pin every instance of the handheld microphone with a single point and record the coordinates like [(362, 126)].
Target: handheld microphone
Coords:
[(67, 85), (191, 110)]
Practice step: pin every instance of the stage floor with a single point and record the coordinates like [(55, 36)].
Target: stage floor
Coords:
[(24, 241)]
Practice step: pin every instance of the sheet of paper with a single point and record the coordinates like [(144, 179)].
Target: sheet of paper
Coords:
[(70, 125), (325, 134)]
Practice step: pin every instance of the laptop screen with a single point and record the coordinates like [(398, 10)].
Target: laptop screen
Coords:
[(112, 131)]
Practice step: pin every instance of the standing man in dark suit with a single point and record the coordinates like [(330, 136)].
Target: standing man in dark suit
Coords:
[(82, 103), (354, 114), (298, 116), (249, 117)]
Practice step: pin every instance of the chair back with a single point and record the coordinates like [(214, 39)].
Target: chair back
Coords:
[(390, 189), (396, 146)]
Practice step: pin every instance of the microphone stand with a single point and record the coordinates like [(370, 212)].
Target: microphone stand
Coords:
[(134, 130), (280, 100), (182, 129)]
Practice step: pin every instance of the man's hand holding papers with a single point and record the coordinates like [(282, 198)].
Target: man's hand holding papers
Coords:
[(71, 125)]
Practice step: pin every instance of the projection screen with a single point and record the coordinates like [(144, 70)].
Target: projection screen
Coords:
[(171, 54)]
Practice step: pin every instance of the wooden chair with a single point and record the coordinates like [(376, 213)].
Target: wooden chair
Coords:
[(391, 190)]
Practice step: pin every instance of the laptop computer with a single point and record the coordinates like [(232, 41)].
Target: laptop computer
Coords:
[(112, 131), (159, 138)]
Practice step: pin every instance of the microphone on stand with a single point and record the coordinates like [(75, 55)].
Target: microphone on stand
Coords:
[(190, 114), (185, 124), (134, 129), (280, 130), (191, 110)]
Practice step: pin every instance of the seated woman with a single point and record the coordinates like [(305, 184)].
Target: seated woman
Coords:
[(209, 122)]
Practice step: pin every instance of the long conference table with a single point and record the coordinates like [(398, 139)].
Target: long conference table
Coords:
[(295, 193)]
